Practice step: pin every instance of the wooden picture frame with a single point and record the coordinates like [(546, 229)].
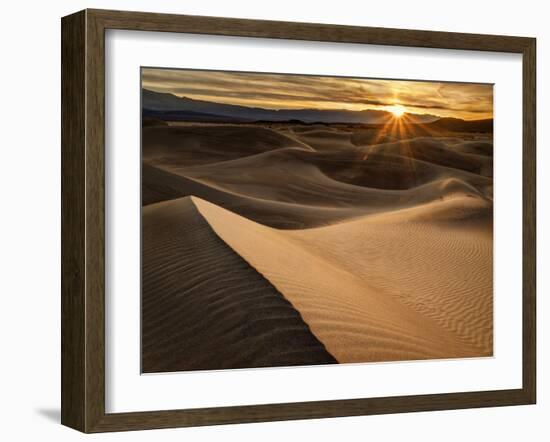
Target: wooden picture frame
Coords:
[(83, 220)]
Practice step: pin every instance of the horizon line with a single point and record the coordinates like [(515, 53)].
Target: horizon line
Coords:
[(438, 117)]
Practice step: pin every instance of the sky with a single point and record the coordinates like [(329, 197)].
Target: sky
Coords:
[(283, 91)]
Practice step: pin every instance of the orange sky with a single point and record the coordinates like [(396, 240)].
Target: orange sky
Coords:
[(279, 91)]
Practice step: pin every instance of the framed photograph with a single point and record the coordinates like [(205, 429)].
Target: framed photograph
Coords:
[(267, 221)]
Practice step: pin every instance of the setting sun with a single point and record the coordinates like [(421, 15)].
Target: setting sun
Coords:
[(397, 110)]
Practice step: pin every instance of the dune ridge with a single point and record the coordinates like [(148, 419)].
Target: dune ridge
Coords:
[(355, 319), (204, 307)]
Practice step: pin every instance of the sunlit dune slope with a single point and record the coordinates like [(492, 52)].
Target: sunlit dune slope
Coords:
[(339, 284), (436, 258)]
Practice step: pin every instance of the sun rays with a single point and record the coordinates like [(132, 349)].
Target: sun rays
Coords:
[(401, 128)]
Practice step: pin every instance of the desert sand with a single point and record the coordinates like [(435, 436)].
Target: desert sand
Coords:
[(205, 307), (289, 244)]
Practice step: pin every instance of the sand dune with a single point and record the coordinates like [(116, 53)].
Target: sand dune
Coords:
[(282, 244), (437, 152), (201, 144), (378, 170), (306, 198), (318, 187), (328, 278), (436, 258), (475, 147), (325, 139), (160, 185), (204, 307)]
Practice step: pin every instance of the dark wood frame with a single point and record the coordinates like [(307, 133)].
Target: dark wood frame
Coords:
[(83, 216)]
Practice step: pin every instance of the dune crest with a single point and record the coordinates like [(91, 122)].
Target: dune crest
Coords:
[(355, 316), (205, 308)]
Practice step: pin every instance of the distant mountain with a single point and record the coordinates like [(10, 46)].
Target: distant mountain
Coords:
[(167, 106), (458, 125)]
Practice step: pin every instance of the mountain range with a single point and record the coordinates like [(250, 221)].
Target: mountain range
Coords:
[(167, 106)]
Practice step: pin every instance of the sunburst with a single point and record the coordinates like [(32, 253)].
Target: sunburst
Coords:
[(397, 110)]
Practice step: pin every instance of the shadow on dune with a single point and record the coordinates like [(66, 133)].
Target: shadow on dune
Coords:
[(204, 307)]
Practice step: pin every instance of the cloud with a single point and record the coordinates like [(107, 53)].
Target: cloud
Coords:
[(279, 91)]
